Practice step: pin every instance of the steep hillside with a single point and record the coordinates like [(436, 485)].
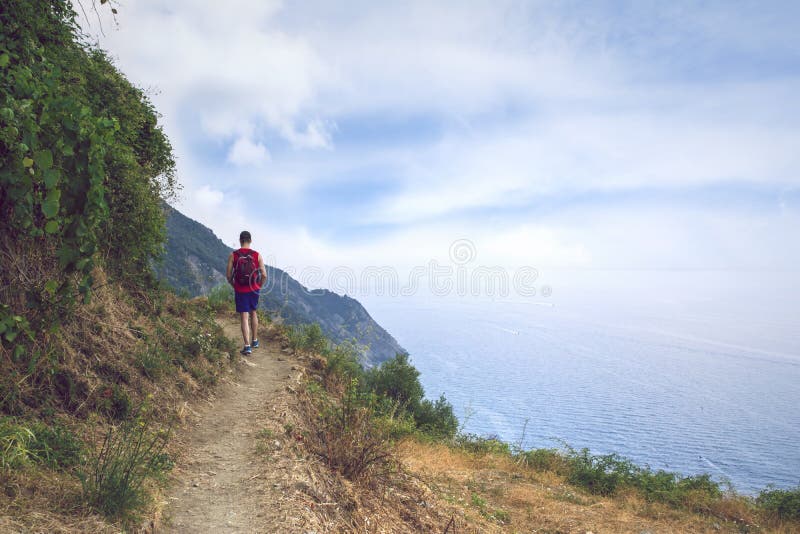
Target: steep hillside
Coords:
[(195, 262)]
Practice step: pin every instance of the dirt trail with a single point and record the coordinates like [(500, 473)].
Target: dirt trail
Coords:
[(222, 484)]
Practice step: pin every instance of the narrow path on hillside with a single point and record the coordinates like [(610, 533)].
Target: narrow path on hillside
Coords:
[(221, 483)]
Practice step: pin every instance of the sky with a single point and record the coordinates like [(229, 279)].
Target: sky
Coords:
[(559, 135)]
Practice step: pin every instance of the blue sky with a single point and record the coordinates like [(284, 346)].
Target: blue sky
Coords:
[(644, 135)]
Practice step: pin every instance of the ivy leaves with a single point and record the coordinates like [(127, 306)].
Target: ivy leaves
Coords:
[(49, 131), (43, 159), (83, 163)]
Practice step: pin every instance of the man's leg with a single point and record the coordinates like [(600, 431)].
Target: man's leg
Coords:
[(246, 328), (254, 322)]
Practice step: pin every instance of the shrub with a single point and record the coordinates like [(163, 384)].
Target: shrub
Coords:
[(220, 298), (396, 425), (481, 445), (307, 338), (783, 503), (605, 474), (115, 475), (544, 460), (342, 360), (599, 474), (398, 380), (436, 418), (347, 437)]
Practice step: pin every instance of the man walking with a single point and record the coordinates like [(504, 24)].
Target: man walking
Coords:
[(246, 273)]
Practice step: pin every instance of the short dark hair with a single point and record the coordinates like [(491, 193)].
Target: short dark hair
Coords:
[(244, 237)]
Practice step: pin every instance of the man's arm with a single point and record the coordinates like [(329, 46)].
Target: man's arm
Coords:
[(262, 269), (229, 269)]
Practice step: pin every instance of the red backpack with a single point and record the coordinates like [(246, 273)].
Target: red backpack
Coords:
[(245, 267)]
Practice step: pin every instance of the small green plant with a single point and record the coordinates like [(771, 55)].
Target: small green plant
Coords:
[(783, 503), (570, 497), (10, 394), (501, 516), (55, 446), (37, 443), (265, 433), (114, 402), (478, 501), (113, 482), (15, 445), (152, 361)]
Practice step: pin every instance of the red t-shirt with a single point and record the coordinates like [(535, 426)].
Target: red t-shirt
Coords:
[(256, 282)]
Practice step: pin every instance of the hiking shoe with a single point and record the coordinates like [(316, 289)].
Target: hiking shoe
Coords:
[(246, 350), (255, 343)]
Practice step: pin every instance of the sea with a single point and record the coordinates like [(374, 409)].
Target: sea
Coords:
[(688, 371)]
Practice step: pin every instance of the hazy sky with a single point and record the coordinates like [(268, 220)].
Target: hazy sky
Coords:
[(552, 134)]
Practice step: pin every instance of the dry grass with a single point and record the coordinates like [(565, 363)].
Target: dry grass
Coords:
[(44, 501), (497, 495)]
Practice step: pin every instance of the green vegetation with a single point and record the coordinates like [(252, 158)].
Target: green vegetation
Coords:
[(27, 443), (220, 298), (153, 361), (84, 172), (130, 455), (15, 445), (603, 474), (307, 338), (84, 167), (606, 474), (391, 391), (55, 446), (783, 503), (500, 516), (396, 383), (85, 332)]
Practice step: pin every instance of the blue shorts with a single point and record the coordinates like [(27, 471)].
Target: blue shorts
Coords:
[(246, 302)]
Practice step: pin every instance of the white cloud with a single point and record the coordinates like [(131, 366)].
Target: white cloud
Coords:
[(317, 134), (246, 152), (533, 104), (209, 198)]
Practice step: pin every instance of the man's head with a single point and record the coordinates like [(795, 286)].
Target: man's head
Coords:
[(244, 238)]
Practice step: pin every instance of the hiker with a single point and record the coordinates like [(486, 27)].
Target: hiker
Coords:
[(246, 273)]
